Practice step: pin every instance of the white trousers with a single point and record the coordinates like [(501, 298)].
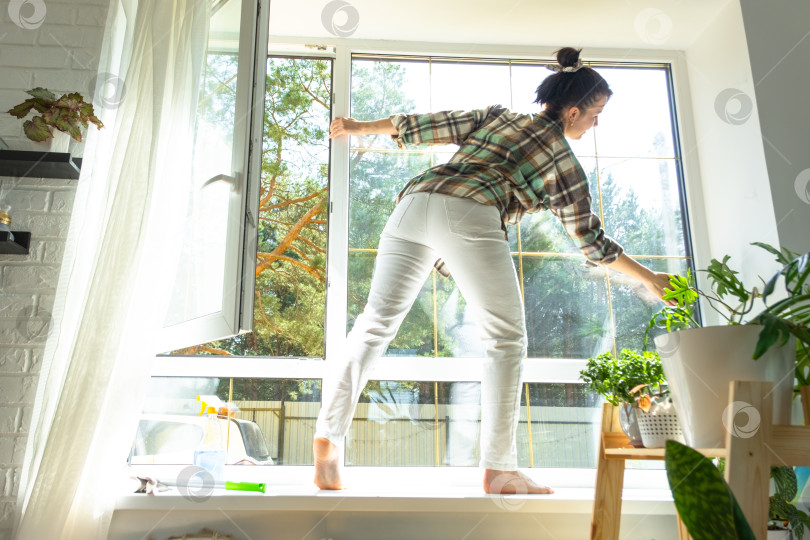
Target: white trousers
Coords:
[(468, 236)]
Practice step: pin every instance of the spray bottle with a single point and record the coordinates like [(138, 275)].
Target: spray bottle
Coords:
[(210, 454)]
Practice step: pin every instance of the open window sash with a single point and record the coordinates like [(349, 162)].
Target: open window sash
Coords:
[(212, 297)]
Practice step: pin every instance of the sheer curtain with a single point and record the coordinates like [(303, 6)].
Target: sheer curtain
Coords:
[(112, 290)]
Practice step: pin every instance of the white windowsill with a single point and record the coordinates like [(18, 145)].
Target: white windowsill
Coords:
[(402, 503), (284, 499), (406, 489)]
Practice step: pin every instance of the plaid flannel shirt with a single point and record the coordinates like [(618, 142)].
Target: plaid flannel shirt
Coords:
[(517, 162)]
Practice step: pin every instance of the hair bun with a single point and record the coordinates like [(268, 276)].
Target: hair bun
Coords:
[(568, 57), (573, 85), (568, 60)]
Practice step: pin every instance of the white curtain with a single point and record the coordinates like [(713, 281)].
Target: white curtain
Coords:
[(112, 288)]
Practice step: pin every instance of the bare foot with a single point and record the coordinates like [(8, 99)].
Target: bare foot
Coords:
[(510, 483), (327, 472)]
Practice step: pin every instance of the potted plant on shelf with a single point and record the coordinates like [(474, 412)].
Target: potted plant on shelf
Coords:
[(616, 378), (657, 418), (68, 114), (700, 361)]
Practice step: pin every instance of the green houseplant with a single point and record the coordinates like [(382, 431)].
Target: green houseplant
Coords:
[(69, 114), (734, 301), (618, 379), (707, 505), (781, 509), (696, 357), (704, 500)]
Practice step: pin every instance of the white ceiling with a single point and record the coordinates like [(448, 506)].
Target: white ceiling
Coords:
[(632, 24)]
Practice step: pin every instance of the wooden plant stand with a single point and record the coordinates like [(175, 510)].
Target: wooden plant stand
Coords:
[(749, 458), (614, 450)]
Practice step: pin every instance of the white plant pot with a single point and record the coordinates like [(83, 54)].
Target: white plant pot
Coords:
[(699, 364), (659, 425), (60, 142)]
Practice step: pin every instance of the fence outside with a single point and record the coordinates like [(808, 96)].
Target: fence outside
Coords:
[(391, 434)]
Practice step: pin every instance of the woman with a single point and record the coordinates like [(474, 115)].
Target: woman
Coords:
[(453, 216)]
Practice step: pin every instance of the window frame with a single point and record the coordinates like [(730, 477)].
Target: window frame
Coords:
[(536, 370), (236, 313)]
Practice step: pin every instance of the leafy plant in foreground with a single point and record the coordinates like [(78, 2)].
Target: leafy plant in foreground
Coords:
[(704, 500)]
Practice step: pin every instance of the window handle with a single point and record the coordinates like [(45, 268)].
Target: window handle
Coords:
[(221, 178)]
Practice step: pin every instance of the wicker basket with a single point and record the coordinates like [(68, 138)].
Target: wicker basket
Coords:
[(659, 426)]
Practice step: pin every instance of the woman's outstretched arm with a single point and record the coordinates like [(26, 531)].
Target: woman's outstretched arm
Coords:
[(350, 126), (655, 282)]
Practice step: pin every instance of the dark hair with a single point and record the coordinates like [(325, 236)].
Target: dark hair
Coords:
[(580, 88)]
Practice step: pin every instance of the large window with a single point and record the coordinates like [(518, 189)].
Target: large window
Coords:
[(422, 405)]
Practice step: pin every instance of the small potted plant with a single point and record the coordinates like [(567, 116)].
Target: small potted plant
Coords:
[(657, 418), (68, 114), (700, 361), (616, 378)]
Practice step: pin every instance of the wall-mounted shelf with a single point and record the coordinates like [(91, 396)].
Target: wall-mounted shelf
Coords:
[(28, 164), (18, 246)]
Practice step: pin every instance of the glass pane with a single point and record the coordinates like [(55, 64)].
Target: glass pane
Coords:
[(641, 205), (560, 292), (376, 179), (441, 155), (423, 424), (457, 330), (525, 80), (405, 88), (291, 260), (397, 423), (561, 426), (542, 232), (267, 423), (207, 219), (465, 86), (415, 336), (380, 89), (643, 96), (633, 306), (567, 310)]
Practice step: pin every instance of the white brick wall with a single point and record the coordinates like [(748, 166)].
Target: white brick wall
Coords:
[(60, 53)]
